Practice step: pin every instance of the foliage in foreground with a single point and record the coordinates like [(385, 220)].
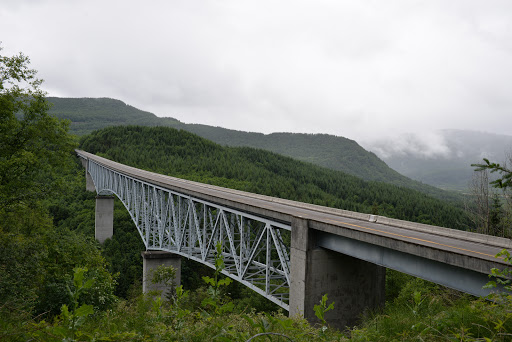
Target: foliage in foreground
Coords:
[(425, 312), (149, 318), (37, 258), (34, 146), (422, 311)]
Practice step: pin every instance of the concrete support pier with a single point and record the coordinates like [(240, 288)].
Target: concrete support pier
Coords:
[(104, 222), (354, 285), (153, 259)]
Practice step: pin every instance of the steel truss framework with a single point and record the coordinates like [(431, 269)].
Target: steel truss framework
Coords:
[(255, 250)]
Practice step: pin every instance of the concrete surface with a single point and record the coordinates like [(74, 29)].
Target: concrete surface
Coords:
[(104, 222), (354, 285), (153, 259)]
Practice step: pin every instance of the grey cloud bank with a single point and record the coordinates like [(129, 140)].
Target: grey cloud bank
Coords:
[(366, 70)]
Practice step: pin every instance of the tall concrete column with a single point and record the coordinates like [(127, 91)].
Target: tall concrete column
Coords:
[(153, 259), (353, 284), (104, 222), (299, 267)]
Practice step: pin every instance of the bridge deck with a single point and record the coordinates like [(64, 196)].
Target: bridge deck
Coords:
[(475, 252)]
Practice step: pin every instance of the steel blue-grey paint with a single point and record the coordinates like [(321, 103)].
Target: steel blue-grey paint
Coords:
[(255, 231)]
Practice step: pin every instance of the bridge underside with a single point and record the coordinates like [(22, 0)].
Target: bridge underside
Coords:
[(458, 278)]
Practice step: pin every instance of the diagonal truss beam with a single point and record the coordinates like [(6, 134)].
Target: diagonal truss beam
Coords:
[(255, 249)]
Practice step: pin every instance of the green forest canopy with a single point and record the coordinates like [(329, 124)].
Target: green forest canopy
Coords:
[(182, 154), (337, 153)]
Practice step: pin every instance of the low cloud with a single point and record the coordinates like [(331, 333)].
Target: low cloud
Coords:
[(427, 145)]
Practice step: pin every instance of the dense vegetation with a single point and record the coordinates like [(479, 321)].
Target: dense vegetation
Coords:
[(57, 285), (337, 153), (182, 154), (36, 162)]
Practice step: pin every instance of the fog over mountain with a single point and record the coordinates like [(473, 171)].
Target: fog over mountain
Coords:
[(442, 158)]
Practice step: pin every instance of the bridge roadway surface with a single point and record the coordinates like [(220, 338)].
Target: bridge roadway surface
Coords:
[(430, 252)]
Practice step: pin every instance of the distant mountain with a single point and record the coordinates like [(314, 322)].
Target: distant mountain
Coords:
[(337, 153), (89, 114), (447, 165)]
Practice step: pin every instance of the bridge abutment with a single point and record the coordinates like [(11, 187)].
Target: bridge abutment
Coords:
[(153, 259), (353, 284), (104, 220)]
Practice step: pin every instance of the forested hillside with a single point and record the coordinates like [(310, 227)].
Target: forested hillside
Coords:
[(58, 284), (337, 153), (182, 154), (333, 152), (89, 114)]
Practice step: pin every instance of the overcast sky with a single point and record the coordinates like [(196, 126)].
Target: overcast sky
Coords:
[(361, 69)]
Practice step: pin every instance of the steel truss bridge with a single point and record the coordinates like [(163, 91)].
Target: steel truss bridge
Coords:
[(292, 252), (256, 250)]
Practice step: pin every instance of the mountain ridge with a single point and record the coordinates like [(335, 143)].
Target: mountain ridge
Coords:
[(182, 154), (337, 153)]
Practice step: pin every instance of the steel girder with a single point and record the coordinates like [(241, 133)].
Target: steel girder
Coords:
[(256, 250)]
